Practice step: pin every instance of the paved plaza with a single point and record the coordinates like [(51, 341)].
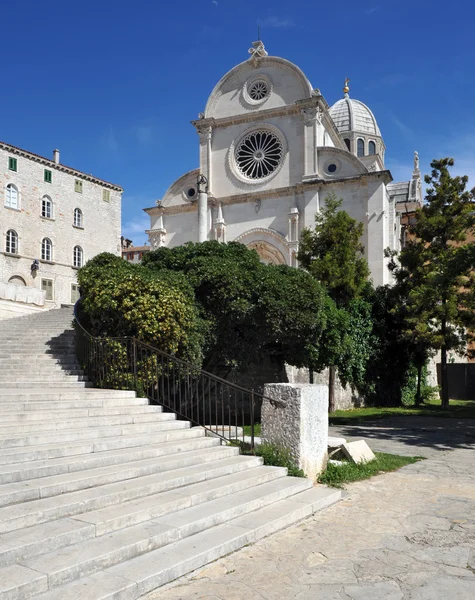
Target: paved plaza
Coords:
[(405, 535)]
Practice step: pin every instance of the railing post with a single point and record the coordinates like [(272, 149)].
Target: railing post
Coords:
[(252, 419), (134, 355)]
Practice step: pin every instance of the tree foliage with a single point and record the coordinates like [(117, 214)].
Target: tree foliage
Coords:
[(215, 304), (434, 272), (252, 310), (333, 254), (121, 299)]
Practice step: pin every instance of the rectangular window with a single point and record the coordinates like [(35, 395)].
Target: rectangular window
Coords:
[(78, 186), (48, 176), (12, 163), (74, 293), (47, 286), (106, 195)]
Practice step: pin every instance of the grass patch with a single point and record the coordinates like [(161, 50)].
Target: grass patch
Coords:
[(273, 455), (257, 430), (459, 409), (337, 476)]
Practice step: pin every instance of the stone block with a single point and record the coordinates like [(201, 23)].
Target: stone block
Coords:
[(295, 416), (358, 452)]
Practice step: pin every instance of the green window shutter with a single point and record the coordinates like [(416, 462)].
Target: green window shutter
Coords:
[(106, 195), (12, 163), (47, 286), (48, 176)]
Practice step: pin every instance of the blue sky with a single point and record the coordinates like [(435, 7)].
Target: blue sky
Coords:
[(115, 84)]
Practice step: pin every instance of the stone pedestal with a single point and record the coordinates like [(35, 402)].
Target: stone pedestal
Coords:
[(301, 425)]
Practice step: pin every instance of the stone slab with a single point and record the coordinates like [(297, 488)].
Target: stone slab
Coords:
[(358, 452)]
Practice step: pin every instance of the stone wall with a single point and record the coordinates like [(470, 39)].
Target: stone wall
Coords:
[(345, 398)]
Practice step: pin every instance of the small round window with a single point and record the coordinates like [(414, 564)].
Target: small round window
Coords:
[(191, 192), (331, 168), (258, 90)]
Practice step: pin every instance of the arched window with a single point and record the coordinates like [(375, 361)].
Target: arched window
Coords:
[(17, 280), (371, 148), (11, 243), (11, 196), (360, 147), (47, 207), (77, 217), (46, 249), (348, 144), (77, 257)]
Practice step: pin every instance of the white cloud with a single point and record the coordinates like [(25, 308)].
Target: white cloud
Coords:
[(144, 134), (134, 229), (276, 22), (405, 130), (109, 140)]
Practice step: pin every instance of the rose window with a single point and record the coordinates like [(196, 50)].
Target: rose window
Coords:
[(259, 154), (258, 90)]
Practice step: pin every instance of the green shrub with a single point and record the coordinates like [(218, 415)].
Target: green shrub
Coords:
[(278, 456)]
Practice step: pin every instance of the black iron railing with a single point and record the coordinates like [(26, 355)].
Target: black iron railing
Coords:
[(225, 409)]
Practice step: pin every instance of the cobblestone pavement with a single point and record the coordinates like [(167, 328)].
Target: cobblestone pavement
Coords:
[(403, 535)]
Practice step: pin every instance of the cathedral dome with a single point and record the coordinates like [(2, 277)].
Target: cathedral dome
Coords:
[(353, 115)]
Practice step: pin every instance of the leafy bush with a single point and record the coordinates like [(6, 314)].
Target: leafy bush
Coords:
[(125, 300), (250, 310)]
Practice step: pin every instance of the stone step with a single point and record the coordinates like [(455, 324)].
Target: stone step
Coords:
[(46, 384), (41, 377), (38, 393), (27, 514), (131, 579), (47, 368), (39, 357), (68, 423), (85, 558), (25, 470), (43, 404), (33, 416), (71, 435), (24, 543), (155, 506), (54, 485), (50, 451)]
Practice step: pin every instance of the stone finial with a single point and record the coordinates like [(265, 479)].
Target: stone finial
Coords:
[(416, 160), (346, 88), (257, 51), (220, 218)]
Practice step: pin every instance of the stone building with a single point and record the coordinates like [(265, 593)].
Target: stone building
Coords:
[(53, 218), (270, 150), (131, 253)]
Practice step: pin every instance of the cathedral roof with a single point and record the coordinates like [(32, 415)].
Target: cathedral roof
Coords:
[(353, 115)]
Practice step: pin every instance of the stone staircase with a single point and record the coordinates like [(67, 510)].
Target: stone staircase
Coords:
[(103, 497)]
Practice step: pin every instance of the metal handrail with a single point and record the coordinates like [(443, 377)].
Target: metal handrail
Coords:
[(223, 408)]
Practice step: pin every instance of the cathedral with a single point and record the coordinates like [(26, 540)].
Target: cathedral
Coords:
[(270, 151)]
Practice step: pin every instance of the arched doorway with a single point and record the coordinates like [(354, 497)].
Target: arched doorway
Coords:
[(269, 244)]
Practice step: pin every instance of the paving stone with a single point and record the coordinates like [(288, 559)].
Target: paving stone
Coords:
[(389, 590), (404, 535)]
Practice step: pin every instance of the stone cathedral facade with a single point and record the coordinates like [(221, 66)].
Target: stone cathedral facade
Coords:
[(270, 150)]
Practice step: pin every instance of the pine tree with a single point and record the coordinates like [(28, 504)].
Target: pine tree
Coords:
[(435, 270)]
